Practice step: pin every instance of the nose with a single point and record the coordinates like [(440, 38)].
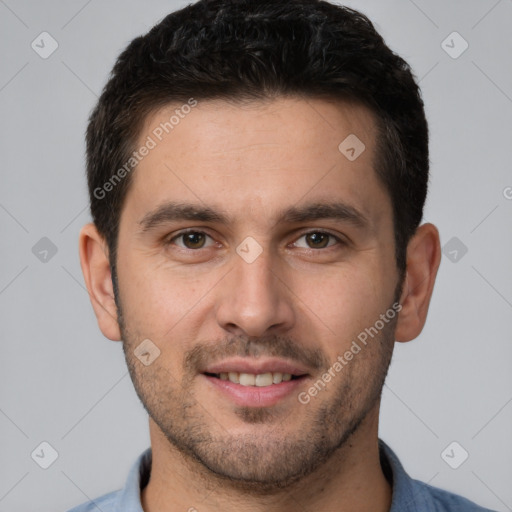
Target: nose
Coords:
[(255, 298)]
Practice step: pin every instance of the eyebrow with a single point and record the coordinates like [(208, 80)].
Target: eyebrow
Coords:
[(175, 211)]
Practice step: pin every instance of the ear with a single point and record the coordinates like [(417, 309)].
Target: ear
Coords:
[(98, 279), (423, 259)]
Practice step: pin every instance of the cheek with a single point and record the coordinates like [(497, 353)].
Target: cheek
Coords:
[(343, 304), (158, 299)]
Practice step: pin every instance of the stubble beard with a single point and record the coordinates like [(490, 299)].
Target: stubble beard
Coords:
[(274, 456)]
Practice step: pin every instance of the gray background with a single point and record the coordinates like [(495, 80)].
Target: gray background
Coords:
[(62, 382)]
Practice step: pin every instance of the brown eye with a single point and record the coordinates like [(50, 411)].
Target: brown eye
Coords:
[(193, 240), (320, 240), (190, 240)]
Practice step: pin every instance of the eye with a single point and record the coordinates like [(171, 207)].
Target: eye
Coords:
[(192, 239), (319, 239)]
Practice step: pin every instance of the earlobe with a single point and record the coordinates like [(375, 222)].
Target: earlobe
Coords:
[(423, 260), (98, 279)]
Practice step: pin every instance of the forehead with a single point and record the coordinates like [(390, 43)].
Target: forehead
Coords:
[(254, 159)]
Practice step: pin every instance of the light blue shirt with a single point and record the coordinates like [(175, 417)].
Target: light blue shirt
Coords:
[(408, 495)]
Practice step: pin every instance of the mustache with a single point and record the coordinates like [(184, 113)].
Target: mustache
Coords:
[(205, 354)]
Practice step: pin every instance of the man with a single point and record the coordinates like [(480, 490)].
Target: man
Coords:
[(257, 173)]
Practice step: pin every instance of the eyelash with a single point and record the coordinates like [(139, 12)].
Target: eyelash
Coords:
[(317, 231)]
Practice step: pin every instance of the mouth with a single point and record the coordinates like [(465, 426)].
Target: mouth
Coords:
[(255, 380)]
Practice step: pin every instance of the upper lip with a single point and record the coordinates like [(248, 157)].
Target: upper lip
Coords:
[(256, 366)]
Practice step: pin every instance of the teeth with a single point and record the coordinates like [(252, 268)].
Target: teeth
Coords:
[(277, 377), (260, 380), (247, 379), (264, 379), (233, 377)]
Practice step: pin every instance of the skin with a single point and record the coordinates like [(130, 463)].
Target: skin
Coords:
[(200, 302)]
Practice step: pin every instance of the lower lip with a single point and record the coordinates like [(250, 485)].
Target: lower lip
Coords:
[(254, 396)]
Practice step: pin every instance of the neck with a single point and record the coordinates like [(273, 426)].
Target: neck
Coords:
[(351, 480)]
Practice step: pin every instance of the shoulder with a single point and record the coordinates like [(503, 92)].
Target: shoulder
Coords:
[(410, 495), (106, 503), (126, 499), (439, 500)]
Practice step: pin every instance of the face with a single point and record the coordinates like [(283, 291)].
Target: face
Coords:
[(255, 275)]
